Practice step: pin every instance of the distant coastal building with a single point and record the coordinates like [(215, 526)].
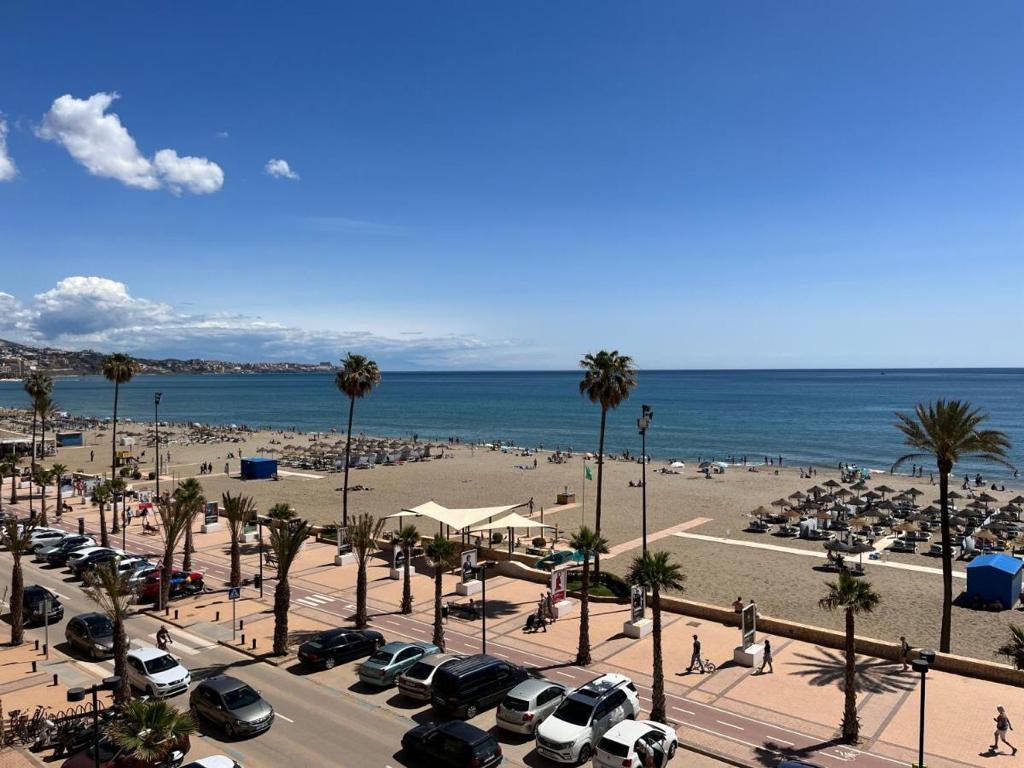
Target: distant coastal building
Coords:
[(11, 368)]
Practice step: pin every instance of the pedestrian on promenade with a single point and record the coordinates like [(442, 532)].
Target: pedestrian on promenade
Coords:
[(904, 652), (766, 660), (549, 606), (737, 607), (695, 659), (1002, 726)]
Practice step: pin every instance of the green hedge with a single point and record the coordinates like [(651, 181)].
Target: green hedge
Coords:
[(607, 585)]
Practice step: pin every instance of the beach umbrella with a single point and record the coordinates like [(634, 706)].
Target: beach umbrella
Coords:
[(1012, 509), (793, 514), (798, 495), (913, 492), (1017, 500), (835, 545), (830, 483), (987, 498), (677, 465), (886, 505), (955, 495), (860, 521), (986, 535), (814, 490), (843, 493), (872, 495), (761, 511), (780, 503), (883, 489)]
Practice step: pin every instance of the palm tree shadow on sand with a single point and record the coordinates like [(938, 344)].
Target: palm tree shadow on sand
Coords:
[(873, 675), (772, 753)]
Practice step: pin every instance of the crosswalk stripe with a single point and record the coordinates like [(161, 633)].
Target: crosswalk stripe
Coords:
[(326, 598)]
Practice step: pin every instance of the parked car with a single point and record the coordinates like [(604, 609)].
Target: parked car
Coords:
[(416, 681), (454, 744), (339, 645), (34, 606), (140, 570), (617, 748), (473, 684), (91, 634), (528, 705), (213, 761), (157, 672), (393, 659), (232, 705), (182, 584), (83, 560), (42, 538), (572, 731), (58, 553)]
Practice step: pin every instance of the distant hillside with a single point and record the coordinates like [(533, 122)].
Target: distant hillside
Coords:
[(17, 360)]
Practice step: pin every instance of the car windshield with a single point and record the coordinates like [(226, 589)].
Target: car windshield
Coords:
[(420, 671), (316, 643), (575, 712), (613, 748), (160, 664), (99, 625), (241, 697), (34, 595), (382, 657)]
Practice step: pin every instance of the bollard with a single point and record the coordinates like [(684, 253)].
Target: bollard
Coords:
[(37, 645), (167, 611), (254, 643), (218, 617), (175, 614), (46, 649), (55, 679), (34, 670), (243, 639), (241, 624)]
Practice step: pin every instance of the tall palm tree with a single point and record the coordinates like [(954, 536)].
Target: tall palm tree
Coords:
[(851, 595), (608, 379), (948, 430), (46, 409), (286, 539), (656, 572), (110, 589), (118, 368), (590, 544), (44, 477), (408, 536), (37, 385), (364, 533), (101, 496), (442, 554), (356, 379), (12, 466), (7, 467), (17, 544), (239, 510), (190, 492), (117, 488), (175, 516), (150, 729), (59, 470)]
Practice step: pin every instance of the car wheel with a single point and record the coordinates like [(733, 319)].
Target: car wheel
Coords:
[(671, 750), (229, 730), (329, 663), (195, 714), (584, 756), (471, 711), (150, 692)]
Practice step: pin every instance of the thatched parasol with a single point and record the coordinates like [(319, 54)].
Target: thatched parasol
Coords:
[(780, 503), (798, 495), (986, 535), (830, 483)]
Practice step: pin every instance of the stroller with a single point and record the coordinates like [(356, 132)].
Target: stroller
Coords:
[(536, 622)]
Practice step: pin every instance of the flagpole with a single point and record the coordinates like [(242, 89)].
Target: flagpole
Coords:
[(583, 505)]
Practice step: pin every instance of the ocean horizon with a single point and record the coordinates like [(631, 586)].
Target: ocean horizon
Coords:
[(818, 417)]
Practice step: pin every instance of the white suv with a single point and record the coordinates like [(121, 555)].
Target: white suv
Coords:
[(571, 732), (157, 672)]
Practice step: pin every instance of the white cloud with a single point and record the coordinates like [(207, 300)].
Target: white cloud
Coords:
[(8, 170), (99, 142), (101, 313), (280, 169), (223, 135)]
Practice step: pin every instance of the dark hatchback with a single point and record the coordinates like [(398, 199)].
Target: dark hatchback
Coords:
[(34, 604), (59, 555), (473, 684), (339, 645), (93, 560), (454, 744), (232, 705), (91, 634)]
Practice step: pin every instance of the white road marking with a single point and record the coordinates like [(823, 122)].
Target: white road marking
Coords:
[(287, 719), (563, 674), (328, 598), (776, 739), (499, 655), (685, 711), (729, 725)]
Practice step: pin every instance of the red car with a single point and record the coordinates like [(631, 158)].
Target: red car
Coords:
[(182, 584)]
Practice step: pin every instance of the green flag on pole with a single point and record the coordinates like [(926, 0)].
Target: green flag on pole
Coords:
[(587, 473)]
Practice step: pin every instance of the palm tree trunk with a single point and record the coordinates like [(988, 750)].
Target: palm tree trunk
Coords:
[(583, 652), (165, 577), (186, 559), (113, 460), (438, 626), (42, 486), (406, 584), (32, 466), (282, 601), (104, 539), (17, 603), (361, 594), (14, 481), (597, 503), (658, 684), (851, 723), (122, 694), (947, 559), (60, 499), (348, 449), (236, 559)]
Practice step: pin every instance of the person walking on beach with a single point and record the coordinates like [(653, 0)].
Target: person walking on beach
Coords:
[(904, 652), (766, 660), (1002, 726), (695, 659)]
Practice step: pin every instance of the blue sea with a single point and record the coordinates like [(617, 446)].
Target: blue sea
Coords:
[(808, 417)]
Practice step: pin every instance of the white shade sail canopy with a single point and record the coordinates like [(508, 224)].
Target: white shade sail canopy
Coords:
[(511, 520), (457, 518)]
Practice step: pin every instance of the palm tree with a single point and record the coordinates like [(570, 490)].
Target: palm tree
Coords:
[(281, 511), (589, 543), (607, 380), (191, 494), (46, 409), (17, 544), (356, 379), (109, 588), (949, 431), (363, 533), (286, 539), (7, 467), (101, 496), (59, 470), (12, 467), (117, 488), (1013, 648), (150, 729), (118, 368), (407, 538), (175, 516), (239, 510), (43, 478), (656, 572), (37, 385), (851, 595), (442, 555)]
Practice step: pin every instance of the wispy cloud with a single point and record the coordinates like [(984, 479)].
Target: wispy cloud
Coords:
[(342, 224), (280, 169), (8, 170)]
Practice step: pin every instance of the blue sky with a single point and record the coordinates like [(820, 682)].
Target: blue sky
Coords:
[(485, 185)]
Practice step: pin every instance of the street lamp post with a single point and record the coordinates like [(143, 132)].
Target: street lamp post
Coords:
[(156, 426), (921, 664), (482, 568), (111, 683), (646, 414)]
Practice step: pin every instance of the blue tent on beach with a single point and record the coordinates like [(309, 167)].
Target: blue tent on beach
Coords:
[(995, 577), (258, 468)]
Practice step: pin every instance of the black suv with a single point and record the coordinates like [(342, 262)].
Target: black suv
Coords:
[(328, 648), (454, 744), (34, 603), (465, 687)]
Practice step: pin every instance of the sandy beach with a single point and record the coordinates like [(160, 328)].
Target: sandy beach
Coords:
[(784, 583)]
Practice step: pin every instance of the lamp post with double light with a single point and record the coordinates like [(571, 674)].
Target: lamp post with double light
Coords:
[(925, 658), (646, 414), (111, 683)]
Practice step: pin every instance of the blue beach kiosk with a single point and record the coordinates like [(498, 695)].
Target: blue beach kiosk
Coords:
[(994, 578), (258, 468)]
